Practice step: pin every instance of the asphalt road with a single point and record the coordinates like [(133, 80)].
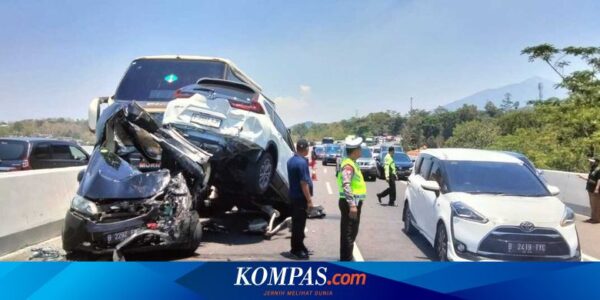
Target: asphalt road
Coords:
[(380, 236)]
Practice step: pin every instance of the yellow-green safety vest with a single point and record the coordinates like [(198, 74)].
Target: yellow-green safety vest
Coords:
[(389, 165), (358, 185)]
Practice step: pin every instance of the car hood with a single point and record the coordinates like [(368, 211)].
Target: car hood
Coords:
[(541, 211), (403, 164)]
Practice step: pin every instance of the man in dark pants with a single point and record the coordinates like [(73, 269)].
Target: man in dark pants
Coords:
[(352, 190), (300, 192), (389, 168)]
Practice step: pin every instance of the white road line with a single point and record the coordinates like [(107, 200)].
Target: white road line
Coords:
[(356, 253), (588, 258), (329, 191), (325, 170)]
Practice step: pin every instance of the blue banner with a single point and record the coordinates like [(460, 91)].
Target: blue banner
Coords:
[(368, 280)]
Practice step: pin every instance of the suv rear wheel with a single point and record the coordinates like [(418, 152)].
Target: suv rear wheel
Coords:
[(259, 176)]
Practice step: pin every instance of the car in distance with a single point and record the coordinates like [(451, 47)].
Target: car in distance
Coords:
[(319, 152), (367, 164), (24, 153), (327, 140), (332, 153), (478, 205), (404, 165)]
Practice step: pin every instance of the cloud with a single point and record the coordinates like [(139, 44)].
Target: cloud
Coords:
[(294, 109)]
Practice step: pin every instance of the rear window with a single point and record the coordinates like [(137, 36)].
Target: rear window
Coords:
[(365, 153), (12, 150), (158, 79)]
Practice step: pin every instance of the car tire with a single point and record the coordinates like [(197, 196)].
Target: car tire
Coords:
[(441, 243), (409, 229), (260, 175), (195, 235), (324, 163)]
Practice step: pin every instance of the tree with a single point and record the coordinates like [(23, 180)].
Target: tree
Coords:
[(491, 109), (474, 134), (507, 103)]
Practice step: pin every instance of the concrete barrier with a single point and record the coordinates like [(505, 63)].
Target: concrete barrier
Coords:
[(33, 205), (572, 189)]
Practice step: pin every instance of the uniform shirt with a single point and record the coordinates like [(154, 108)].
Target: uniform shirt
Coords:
[(389, 166), (593, 177), (298, 171), (347, 174)]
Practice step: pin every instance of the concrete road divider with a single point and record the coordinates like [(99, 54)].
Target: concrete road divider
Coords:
[(572, 189), (33, 205)]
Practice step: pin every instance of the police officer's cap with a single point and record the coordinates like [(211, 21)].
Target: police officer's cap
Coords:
[(352, 143)]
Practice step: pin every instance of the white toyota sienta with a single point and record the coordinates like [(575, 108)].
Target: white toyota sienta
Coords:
[(478, 205)]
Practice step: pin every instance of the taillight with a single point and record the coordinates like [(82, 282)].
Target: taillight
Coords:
[(25, 165), (182, 94), (252, 106)]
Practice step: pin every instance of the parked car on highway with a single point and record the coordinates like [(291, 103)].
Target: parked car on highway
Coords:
[(332, 153), (327, 140), (25, 153), (240, 127), (404, 165), (366, 163), (376, 151), (319, 151), (475, 205)]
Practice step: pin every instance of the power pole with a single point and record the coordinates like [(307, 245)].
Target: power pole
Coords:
[(541, 91), (411, 103)]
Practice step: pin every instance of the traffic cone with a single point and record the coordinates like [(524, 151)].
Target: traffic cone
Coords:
[(314, 174)]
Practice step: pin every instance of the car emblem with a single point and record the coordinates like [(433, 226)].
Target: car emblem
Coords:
[(527, 226)]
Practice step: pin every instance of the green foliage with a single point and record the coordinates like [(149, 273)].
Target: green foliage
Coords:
[(474, 134), (56, 127)]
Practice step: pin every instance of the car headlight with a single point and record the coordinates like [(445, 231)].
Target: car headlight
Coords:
[(568, 217), (463, 211), (84, 206)]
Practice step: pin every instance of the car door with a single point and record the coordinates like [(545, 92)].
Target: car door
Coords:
[(418, 207), (41, 156), (285, 146), (430, 200)]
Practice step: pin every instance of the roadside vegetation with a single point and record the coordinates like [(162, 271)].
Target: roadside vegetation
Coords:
[(554, 133), (56, 128)]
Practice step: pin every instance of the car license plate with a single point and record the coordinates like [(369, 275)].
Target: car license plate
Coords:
[(526, 248), (117, 237), (206, 120)]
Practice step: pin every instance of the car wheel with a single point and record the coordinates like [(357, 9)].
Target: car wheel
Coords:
[(324, 163), (441, 243), (195, 235), (260, 175), (409, 229)]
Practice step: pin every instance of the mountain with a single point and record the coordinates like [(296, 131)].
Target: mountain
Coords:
[(522, 92)]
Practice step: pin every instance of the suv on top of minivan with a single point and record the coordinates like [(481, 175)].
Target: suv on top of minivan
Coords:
[(23, 153)]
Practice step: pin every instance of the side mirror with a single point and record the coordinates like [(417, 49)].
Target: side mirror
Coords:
[(80, 175), (432, 186), (554, 191), (94, 112)]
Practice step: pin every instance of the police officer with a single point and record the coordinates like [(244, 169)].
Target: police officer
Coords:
[(353, 190), (389, 167)]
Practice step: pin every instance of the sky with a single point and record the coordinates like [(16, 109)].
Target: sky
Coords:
[(320, 60)]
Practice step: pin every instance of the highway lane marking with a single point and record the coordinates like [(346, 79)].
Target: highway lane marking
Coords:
[(325, 170), (588, 257), (356, 253), (329, 191)]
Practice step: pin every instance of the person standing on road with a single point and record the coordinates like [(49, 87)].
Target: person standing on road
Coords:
[(593, 189), (352, 190), (300, 192), (389, 167)]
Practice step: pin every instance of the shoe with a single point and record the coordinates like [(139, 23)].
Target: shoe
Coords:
[(300, 255), (392, 204), (379, 198)]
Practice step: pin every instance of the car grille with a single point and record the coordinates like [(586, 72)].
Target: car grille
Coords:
[(495, 244)]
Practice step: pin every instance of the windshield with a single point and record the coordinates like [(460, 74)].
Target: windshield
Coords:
[(401, 157), (493, 178), (333, 150), (319, 150), (366, 152), (158, 79), (12, 150)]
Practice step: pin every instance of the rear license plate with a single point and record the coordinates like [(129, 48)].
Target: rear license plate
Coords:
[(117, 237), (526, 248), (206, 120)]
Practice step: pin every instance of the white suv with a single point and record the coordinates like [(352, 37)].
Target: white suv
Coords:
[(474, 205), (240, 127)]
